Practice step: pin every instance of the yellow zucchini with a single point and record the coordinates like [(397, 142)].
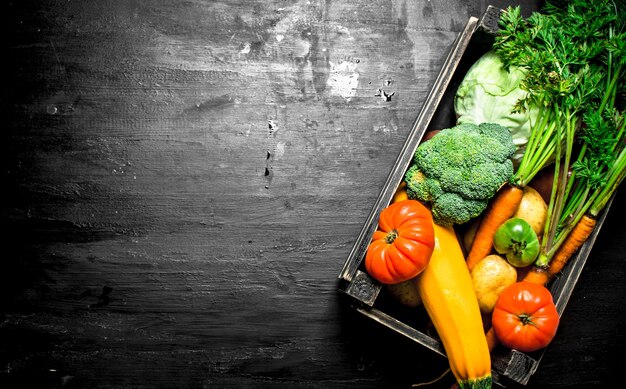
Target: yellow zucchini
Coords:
[(446, 290)]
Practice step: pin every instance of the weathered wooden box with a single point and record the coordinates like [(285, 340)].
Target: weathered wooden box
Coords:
[(367, 296)]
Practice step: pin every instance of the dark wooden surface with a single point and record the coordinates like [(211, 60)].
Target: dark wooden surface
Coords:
[(183, 181)]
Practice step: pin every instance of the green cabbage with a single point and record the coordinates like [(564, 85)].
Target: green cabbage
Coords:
[(488, 94)]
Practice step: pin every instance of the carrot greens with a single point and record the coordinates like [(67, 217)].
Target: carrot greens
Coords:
[(574, 55)]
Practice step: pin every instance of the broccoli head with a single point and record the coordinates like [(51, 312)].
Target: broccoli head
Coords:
[(460, 169)]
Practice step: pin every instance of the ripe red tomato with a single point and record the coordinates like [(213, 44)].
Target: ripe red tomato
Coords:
[(403, 243), (525, 317)]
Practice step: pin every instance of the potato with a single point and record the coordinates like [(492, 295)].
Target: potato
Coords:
[(405, 293), (533, 209), (490, 277)]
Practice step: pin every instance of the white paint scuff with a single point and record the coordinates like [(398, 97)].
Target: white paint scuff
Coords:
[(343, 79), (279, 151), (246, 49)]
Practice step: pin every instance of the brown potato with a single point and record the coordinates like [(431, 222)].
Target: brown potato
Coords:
[(533, 209), (405, 293), (490, 277)]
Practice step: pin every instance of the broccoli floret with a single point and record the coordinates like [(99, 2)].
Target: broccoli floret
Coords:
[(503, 138), (460, 169), (422, 187), (451, 208)]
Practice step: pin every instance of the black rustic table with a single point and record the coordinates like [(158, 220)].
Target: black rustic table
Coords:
[(183, 181)]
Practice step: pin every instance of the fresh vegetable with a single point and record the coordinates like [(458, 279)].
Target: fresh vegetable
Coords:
[(581, 207), (525, 317), (579, 235), (516, 239), (573, 59), (500, 209), (446, 290), (402, 244), (489, 93), (533, 209), (458, 170), (489, 277), (574, 56), (580, 79), (405, 293)]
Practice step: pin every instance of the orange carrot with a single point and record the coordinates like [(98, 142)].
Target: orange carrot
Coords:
[(576, 238), (572, 243), (537, 275), (501, 208)]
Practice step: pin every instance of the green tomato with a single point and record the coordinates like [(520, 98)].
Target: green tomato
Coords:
[(518, 241)]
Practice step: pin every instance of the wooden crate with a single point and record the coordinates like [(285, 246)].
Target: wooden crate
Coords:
[(367, 295)]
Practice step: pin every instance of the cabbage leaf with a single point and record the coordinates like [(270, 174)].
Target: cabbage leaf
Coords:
[(489, 93)]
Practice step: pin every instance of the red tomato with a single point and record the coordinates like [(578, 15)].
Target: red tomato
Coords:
[(525, 317), (403, 243)]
